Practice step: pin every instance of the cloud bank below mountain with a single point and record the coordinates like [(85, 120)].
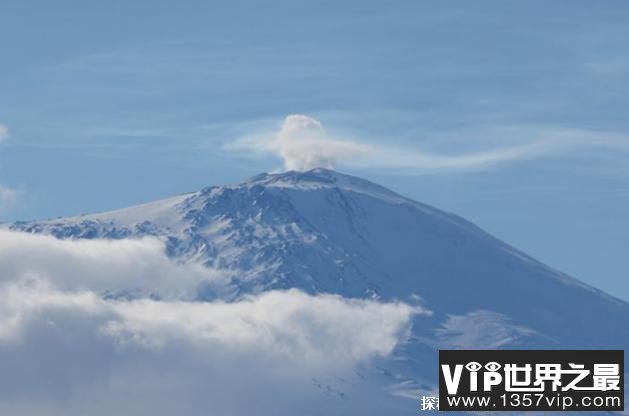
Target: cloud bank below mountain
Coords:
[(67, 350)]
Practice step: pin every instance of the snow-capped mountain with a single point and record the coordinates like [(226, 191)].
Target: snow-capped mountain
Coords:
[(323, 231)]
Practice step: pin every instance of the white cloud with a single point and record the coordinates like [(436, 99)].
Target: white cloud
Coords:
[(102, 265), (79, 270), (66, 350), (74, 353), (324, 331), (303, 143)]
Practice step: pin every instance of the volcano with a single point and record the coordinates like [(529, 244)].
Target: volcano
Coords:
[(322, 231)]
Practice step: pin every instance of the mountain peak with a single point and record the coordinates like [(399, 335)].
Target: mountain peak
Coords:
[(316, 174), (321, 178)]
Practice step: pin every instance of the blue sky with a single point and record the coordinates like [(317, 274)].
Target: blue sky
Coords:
[(511, 114)]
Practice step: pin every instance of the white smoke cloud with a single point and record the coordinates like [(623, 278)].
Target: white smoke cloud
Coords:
[(66, 350), (303, 144)]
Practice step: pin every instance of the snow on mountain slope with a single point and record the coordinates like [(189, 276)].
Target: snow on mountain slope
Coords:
[(323, 231)]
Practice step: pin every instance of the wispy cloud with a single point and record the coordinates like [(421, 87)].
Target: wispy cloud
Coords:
[(303, 143)]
